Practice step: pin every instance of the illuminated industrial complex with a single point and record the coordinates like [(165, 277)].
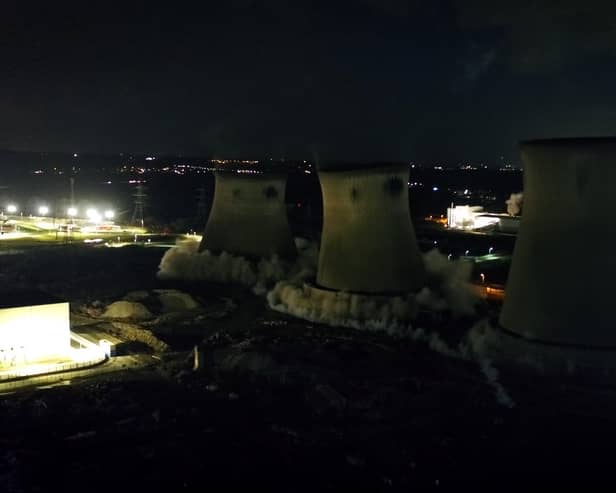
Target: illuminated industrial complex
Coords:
[(474, 218)]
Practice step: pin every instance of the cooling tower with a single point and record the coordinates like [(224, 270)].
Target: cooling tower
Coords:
[(248, 216), (368, 244), (560, 286)]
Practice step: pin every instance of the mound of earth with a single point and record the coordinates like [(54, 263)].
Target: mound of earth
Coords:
[(172, 300), (127, 310)]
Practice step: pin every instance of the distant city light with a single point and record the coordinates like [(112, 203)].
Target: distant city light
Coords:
[(109, 214), (43, 210), (72, 211), (11, 209)]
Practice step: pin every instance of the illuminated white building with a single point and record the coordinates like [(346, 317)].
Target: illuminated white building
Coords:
[(248, 215), (474, 218), (34, 327), (463, 216)]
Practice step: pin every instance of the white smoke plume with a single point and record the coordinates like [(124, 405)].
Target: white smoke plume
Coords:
[(514, 204), (447, 285), (342, 309), (185, 262), (388, 316), (472, 349), (491, 374), (446, 289)]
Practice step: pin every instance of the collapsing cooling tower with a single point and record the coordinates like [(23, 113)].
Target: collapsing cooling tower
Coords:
[(558, 313), (560, 288), (248, 216), (369, 263), (368, 244)]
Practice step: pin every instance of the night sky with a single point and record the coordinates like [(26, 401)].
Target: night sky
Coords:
[(434, 80)]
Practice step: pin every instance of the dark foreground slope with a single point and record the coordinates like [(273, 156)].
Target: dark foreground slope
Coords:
[(284, 405)]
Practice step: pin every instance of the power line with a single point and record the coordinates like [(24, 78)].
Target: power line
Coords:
[(140, 198)]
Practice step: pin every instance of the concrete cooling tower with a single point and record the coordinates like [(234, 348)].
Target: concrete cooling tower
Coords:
[(368, 243), (558, 312), (369, 266), (248, 216)]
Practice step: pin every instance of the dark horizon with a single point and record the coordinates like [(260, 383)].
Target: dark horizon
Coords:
[(90, 158)]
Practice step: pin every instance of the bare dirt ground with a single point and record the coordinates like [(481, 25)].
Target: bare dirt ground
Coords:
[(281, 405)]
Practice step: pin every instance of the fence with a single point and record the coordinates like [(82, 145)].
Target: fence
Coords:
[(95, 355)]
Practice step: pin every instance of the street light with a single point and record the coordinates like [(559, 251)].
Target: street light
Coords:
[(93, 215), (72, 211), (109, 214), (43, 210), (11, 209)]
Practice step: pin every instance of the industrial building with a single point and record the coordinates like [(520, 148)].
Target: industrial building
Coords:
[(34, 327), (474, 218)]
